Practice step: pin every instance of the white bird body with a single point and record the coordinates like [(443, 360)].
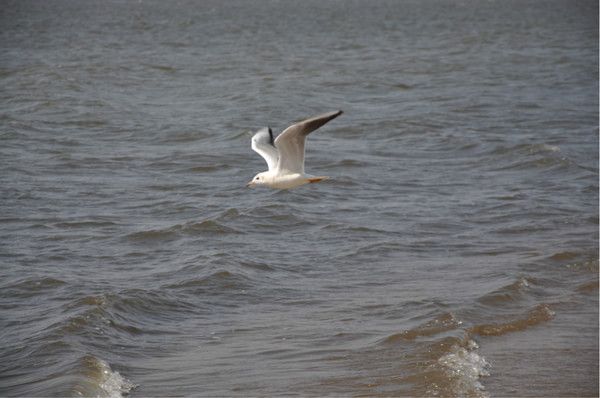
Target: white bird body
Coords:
[(285, 181), (285, 154)]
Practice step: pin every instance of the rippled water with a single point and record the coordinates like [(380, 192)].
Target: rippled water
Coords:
[(454, 251)]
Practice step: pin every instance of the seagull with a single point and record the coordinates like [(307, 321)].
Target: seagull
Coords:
[(285, 154)]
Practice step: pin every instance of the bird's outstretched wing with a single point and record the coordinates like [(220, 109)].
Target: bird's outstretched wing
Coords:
[(262, 143), (290, 142)]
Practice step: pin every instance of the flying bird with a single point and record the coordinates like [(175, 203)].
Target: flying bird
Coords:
[(285, 154)]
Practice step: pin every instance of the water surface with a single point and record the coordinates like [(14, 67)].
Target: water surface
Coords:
[(453, 252)]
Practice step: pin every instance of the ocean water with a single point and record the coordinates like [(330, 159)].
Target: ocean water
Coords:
[(453, 252)]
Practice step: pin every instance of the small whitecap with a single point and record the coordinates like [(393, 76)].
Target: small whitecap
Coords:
[(465, 366), (113, 384)]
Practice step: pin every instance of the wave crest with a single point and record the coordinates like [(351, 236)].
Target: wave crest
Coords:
[(98, 379), (539, 314)]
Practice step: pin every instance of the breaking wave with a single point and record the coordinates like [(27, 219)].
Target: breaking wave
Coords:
[(98, 379)]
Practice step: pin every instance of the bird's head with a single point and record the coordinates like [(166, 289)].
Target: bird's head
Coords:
[(258, 180)]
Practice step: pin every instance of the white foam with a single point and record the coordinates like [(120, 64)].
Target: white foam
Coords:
[(112, 383), (465, 366), (550, 148)]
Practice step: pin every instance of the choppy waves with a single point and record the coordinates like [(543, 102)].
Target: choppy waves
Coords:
[(443, 353), (446, 355), (66, 347), (453, 252)]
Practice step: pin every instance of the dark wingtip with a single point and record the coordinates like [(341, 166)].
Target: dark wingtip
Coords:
[(336, 114), (272, 140)]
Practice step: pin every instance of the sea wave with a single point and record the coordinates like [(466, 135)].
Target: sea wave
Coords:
[(179, 230), (463, 366), (439, 324), (444, 359), (97, 379), (506, 294), (539, 314)]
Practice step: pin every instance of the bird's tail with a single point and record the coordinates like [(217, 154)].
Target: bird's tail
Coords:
[(317, 179)]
